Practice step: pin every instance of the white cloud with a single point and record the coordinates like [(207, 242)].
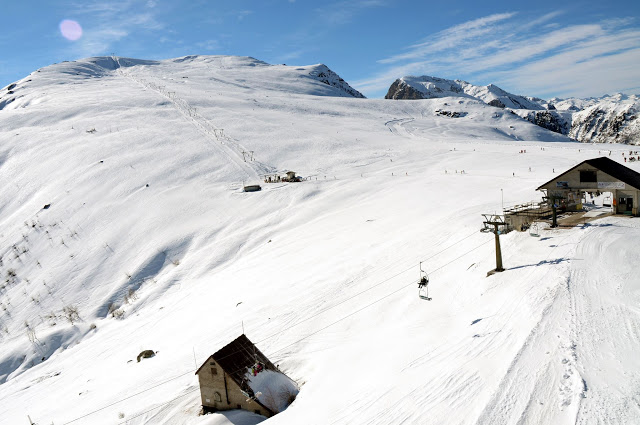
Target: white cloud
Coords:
[(342, 12), (531, 57), (452, 37), (107, 22), (209, 45), (542, 19), (243, 13), (288, 56)]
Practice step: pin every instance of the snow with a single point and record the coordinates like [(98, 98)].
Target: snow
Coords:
[(434, 87), (580, 104), (272, 388), (325, 269)]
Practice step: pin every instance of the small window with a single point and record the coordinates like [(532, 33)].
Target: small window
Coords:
[(214, 370), (238, 406), (217, 396), (588, 176), (257, 412)]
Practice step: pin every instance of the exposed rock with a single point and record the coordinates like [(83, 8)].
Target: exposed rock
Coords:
[(146, 354), (401, 90), (607, 119), (451, 114), (549, 120), (427, 87), (330, 78), (607, 124)]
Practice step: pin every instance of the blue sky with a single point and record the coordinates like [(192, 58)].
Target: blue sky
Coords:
[(538, 48)]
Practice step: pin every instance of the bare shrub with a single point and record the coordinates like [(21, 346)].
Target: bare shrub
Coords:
[(70, 312), (31, 333), (52, 318), (130, 296), (118, 313)]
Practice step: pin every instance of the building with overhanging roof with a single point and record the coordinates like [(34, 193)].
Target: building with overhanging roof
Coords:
[(596, 176), (239, 376)]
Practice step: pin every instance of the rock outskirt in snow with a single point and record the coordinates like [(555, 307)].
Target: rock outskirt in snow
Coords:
[(558, 122), (426, 87), (607, 122), (326, 76), (609, 119), (401, 90)]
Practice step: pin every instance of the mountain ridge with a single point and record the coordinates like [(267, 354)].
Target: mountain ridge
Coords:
[(605, 119), (125, 227)]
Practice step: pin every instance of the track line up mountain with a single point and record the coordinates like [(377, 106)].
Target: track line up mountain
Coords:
[(225, 144)]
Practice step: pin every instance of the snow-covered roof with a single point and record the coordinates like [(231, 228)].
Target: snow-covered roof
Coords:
[(267, 387)]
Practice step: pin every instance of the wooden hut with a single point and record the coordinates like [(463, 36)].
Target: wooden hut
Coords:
[(239, 376)]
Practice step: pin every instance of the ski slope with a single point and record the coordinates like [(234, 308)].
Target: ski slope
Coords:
[(147, 218)]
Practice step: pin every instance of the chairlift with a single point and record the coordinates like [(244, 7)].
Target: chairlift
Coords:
[(534, 230), (423, 289)]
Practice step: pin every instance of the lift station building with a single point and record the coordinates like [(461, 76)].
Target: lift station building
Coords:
[(595, 176)]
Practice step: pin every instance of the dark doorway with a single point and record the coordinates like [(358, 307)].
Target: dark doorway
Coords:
[(625, 203)]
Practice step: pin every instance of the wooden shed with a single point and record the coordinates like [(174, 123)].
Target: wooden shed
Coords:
[(239, 376), (595, 176), (290, 176)]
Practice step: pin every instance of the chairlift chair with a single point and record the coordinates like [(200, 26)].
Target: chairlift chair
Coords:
[(534, 230), (423, 289)]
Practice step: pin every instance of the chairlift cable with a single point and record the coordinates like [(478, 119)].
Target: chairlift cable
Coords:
[(295, 324)]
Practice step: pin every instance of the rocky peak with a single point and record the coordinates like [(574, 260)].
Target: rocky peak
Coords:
[(401, 90), (326, 76)]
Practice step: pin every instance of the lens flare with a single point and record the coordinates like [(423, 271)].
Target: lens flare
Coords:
[(71, 30)]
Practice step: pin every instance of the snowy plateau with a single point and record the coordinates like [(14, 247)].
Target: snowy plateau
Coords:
[(608, 119), (124, 227)]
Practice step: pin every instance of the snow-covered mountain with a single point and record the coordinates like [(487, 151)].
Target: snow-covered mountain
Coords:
[(124, 228), (314, 79), (608, 119), (426, 87)]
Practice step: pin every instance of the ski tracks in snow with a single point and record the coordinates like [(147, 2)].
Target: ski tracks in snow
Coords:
[(607, 327), (587, 332), (396, 126), (542, 383)]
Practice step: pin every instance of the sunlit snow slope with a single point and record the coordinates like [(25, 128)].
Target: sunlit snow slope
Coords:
[(148, 235)]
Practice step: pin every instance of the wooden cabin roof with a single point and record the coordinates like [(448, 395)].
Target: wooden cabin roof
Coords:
[(609, 166), (237, 358)]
